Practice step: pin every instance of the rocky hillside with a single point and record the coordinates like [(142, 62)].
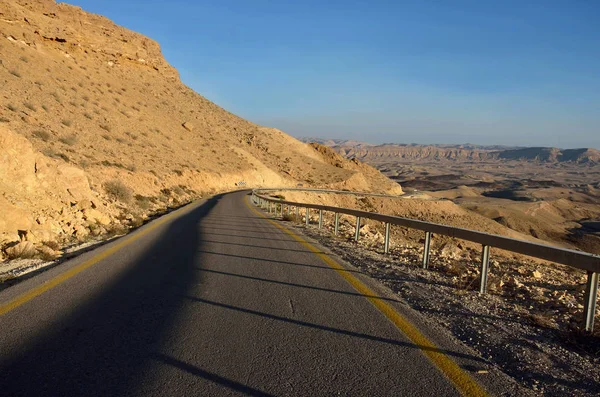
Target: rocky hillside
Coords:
[(395, 152), (97, 132)]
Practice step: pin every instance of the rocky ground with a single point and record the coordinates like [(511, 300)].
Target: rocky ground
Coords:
[(528, 325)]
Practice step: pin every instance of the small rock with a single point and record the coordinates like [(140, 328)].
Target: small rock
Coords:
[(81, 231), (188, 126), (536, 274)]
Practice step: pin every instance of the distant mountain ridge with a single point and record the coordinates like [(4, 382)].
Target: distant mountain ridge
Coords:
[(465, 152)]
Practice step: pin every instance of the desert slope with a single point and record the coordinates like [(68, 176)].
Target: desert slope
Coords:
[(97, 130)]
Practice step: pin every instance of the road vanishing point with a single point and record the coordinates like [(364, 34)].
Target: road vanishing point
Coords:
[(215, 299)]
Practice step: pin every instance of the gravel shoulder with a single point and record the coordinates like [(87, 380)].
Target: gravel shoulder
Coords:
[(527, 326)]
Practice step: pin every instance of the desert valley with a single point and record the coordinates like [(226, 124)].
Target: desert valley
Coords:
[(99, 136), (547, 193)]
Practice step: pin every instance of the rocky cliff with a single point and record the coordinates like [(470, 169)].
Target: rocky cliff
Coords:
[(97, 131), (391, 152)]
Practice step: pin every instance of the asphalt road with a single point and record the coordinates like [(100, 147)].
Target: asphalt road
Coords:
[(215, 300)]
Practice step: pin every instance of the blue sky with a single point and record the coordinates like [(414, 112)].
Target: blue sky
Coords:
[(449, 71)]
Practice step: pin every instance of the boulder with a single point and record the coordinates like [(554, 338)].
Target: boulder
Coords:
[(39, 235), (81, 231), (94, 215), (449, 250)]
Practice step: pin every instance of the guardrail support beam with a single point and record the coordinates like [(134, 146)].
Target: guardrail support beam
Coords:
[(336, 227), (485, 269), (297, 214), (426, 249), (386, 244), (591, 296), (320, 219), (307, 217), (357, 232)]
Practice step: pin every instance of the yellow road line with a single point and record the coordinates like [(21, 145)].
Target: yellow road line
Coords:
[(37, 291), (463, 382)]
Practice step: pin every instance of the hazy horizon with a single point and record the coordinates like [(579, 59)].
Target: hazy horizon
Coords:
[(439, 143), (508, 73)]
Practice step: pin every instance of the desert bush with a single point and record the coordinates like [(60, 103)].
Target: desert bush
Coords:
[(15, 73), (136, 222), (87, 116), (289, 217), (45, 107), (11, 107), (115, 230), (106, 136), (66, 122), (69, 140), (142, 202), (118, 190), (4, 120), (178, 191), (29, 106), (105, 127), (43, 135), (56, 97)]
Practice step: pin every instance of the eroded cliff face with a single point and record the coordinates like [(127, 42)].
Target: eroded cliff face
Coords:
[(98, 132), (394, 152)]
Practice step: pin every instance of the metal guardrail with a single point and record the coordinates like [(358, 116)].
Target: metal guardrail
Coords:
[(576, 259)]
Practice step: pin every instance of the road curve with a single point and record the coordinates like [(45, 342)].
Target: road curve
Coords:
[(212, 300)]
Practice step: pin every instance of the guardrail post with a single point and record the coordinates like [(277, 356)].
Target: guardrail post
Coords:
[(485, 268), (320, 219), (297, 214), (591, 296), (386, 244), (357, 233), (307, 217), (426, 249), (336, 227)]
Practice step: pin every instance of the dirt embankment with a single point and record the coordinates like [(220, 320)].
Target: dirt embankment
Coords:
[(98, 133)]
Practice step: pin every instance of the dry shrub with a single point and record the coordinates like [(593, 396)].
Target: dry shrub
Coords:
[(69, 140), (52, 244), (142, 202), (289, 217), (118, 190), (43, 135)]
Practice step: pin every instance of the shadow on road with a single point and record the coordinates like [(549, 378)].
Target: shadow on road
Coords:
[(105, 346), (334, 330)]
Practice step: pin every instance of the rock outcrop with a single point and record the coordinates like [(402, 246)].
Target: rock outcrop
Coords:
[(97, 132)]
